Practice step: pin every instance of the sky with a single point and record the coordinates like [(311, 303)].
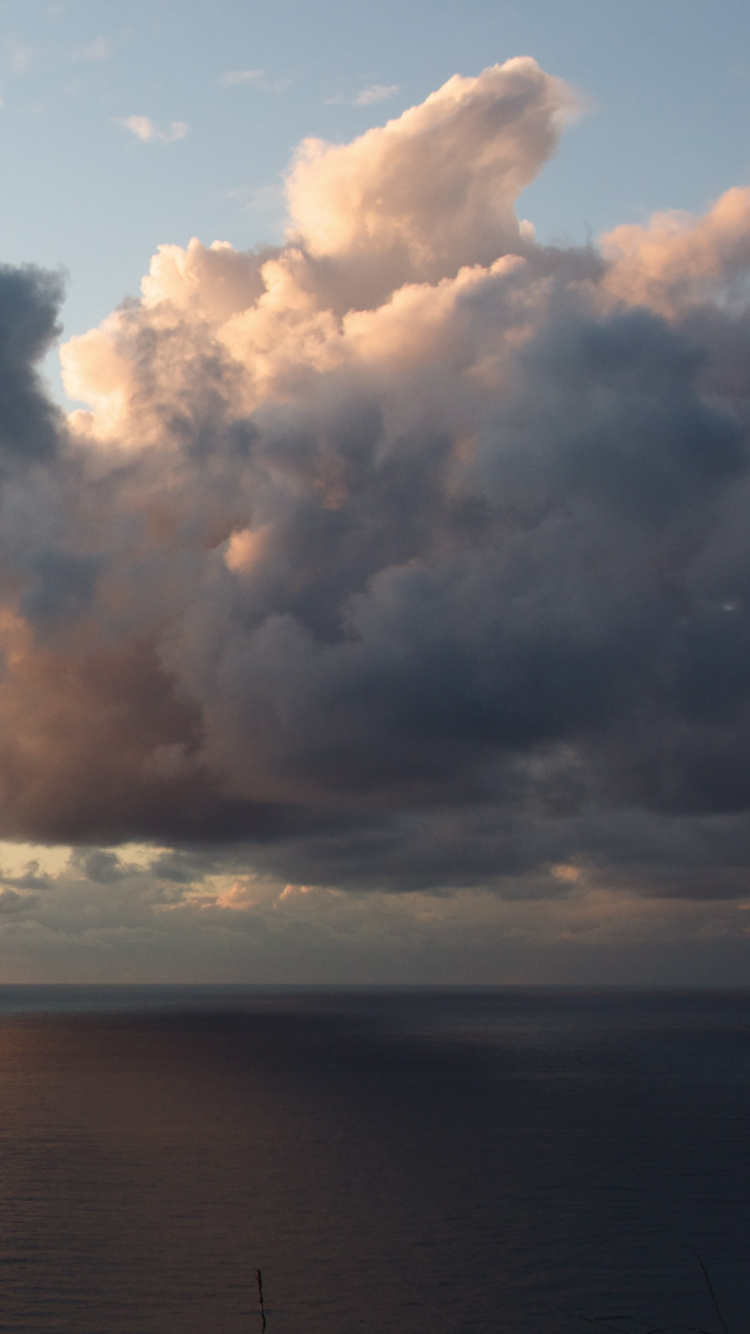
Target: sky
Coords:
[(374, 492)]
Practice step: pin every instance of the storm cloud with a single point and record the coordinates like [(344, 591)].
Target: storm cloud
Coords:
[(409, 554)]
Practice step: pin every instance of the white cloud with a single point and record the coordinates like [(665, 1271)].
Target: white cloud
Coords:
[(149, 132), (234, 77), (378, 92), (435, 188)]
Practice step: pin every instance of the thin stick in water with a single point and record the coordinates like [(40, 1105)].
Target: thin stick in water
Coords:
[(712, 1294), (259, 1280)]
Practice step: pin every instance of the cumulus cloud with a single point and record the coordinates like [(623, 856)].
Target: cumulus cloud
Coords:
[(407, 555), (11, 902), (430, 191), (148, 132), (32, 878)]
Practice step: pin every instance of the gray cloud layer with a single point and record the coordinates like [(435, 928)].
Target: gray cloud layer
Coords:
[(412, 553)]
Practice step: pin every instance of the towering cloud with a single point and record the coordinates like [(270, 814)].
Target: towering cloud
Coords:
[(432, 190), (412, 552)]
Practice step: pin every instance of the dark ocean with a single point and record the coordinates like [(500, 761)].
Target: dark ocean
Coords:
[(417, 1162)]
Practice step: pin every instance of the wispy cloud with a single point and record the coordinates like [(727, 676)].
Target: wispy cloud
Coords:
[(20, 57), (366, 97), (253, 78), (269, 199), (98, 49), (377, 92), (234, 77), (149, 132)]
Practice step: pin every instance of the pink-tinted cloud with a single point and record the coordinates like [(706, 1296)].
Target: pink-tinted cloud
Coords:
[(410, 554), (433, 189), (149, 132)]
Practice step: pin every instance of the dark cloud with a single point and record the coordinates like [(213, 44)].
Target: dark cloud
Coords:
[(11, 902), (33, 878), (29, 422), (413, 575)]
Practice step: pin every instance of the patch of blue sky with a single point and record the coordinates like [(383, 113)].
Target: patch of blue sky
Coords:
[(229, 89)]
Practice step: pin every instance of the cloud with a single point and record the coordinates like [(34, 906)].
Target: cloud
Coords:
[(97, 49), (377, 92), (20, 57), (32, 878), (256, 78), (231, 925), (148, 132), (30, 425), (11, 902), (253, 78), (409, 555), (431, 191)]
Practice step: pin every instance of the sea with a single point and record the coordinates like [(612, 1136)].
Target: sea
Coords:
[(393, 1161)]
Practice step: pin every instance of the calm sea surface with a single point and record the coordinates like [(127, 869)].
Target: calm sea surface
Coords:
[(417, 1162)]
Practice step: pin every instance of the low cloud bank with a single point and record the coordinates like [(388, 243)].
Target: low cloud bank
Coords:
[(412, 554)]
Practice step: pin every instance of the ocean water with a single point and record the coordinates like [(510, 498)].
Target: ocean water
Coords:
[(416, 1162)]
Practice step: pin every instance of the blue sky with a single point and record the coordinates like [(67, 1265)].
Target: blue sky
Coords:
[(668, 83)]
